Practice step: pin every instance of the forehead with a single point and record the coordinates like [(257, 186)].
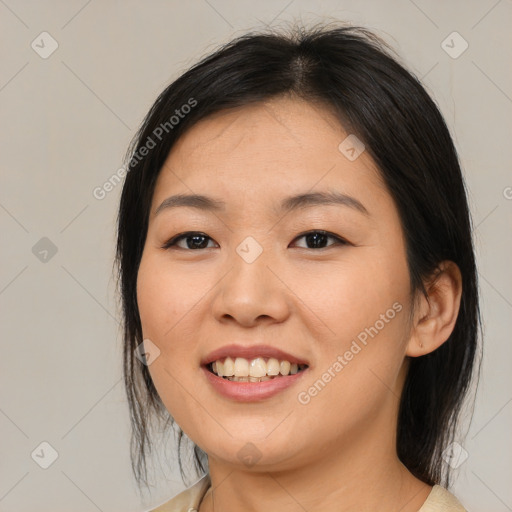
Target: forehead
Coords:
[(281, 145)]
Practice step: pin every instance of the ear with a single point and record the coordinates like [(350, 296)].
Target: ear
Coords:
[(435, 317)]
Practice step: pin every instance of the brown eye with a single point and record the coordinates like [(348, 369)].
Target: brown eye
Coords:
[(318, 239), (193, 241)]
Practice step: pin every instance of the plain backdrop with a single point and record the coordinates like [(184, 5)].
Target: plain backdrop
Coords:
[(67, 117)]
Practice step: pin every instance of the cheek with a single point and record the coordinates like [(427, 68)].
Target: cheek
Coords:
[(357, 380), (164, 296), (162, 302), (364, 306), (352, 295)]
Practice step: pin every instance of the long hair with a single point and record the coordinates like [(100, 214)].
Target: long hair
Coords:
[(355, 74)]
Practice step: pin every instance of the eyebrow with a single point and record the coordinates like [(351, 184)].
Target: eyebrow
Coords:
[(205, 203)]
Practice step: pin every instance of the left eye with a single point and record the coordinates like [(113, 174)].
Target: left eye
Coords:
[(317, 239), (196, 241)]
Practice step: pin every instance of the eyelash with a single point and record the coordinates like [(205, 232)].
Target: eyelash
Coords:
[(173, 241)]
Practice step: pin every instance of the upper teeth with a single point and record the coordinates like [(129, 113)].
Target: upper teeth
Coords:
[(259, 367)]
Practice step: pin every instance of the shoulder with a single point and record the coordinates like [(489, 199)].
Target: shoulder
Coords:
[(441, 500), (188, 500)]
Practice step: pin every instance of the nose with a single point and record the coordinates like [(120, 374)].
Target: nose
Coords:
[(252, 293)]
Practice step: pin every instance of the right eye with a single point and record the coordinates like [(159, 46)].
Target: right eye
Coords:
[(193, 240)]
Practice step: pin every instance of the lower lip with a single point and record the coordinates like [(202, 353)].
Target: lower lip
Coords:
[(251, 391)]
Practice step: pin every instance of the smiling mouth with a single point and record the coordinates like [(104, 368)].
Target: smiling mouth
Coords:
[(259, 369)]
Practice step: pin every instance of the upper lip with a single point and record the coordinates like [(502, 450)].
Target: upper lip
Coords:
[(251, 352)]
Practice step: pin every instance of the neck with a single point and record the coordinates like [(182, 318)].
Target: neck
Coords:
[(340, 481)]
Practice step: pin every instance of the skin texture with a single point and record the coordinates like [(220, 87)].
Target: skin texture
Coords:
[(337, 452)]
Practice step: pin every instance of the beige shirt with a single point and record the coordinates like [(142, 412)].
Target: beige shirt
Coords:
[(439, 499)]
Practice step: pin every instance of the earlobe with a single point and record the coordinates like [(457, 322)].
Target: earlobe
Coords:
[(435, 315)]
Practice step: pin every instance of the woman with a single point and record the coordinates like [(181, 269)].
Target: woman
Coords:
[(298, 278)]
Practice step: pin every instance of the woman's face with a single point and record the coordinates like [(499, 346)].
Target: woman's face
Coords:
[(250, 277)]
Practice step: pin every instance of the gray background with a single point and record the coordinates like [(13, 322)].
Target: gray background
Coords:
[(66, 122)]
